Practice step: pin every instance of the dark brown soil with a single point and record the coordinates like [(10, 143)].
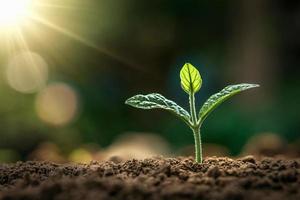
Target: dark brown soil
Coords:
[(157, 178)]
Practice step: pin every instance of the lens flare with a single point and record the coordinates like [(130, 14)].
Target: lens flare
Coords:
[(27, 72), (13, 11), (81, 155), (57, 104)]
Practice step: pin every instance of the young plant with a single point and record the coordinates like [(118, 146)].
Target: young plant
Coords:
[(191, 83)]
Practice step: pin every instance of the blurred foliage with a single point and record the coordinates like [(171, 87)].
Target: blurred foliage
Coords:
[(108, 50)]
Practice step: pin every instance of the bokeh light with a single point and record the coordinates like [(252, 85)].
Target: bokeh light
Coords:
[(27, 72), (57, 104), (81, 155), (13, 12), (136, 145)]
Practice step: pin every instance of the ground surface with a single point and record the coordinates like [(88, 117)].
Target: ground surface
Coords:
[(181, 178)]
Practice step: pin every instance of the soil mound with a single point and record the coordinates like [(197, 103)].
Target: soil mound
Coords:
[(155, 178)]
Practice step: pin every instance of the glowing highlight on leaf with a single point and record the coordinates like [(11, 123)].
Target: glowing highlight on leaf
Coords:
[(191, 80)]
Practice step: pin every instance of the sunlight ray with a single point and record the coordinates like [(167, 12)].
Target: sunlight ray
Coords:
[(13, 41), (84, 41), (48, 5), (21, 40)]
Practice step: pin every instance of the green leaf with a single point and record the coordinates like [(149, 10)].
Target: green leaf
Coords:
[(191, 80), (215, 100), (152, 101)]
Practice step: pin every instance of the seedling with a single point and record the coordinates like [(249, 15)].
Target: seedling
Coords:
[(191, 83)]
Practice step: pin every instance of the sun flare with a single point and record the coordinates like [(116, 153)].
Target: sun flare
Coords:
[(24, 19), (12, 12)]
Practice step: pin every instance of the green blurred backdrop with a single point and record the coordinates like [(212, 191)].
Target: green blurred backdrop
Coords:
[(96, 53)]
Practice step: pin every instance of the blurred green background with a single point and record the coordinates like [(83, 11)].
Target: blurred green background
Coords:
[(67, 70)]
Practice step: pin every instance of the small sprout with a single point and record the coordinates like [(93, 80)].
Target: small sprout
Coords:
[(191, 83)]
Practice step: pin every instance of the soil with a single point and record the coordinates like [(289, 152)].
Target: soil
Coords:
[(155, 178)]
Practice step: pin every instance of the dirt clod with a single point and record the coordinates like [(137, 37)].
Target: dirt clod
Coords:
[(213, 171), (157, 178)]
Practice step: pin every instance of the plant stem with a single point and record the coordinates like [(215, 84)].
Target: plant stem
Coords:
[(198, 145), (196, 130), (193, 109)]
